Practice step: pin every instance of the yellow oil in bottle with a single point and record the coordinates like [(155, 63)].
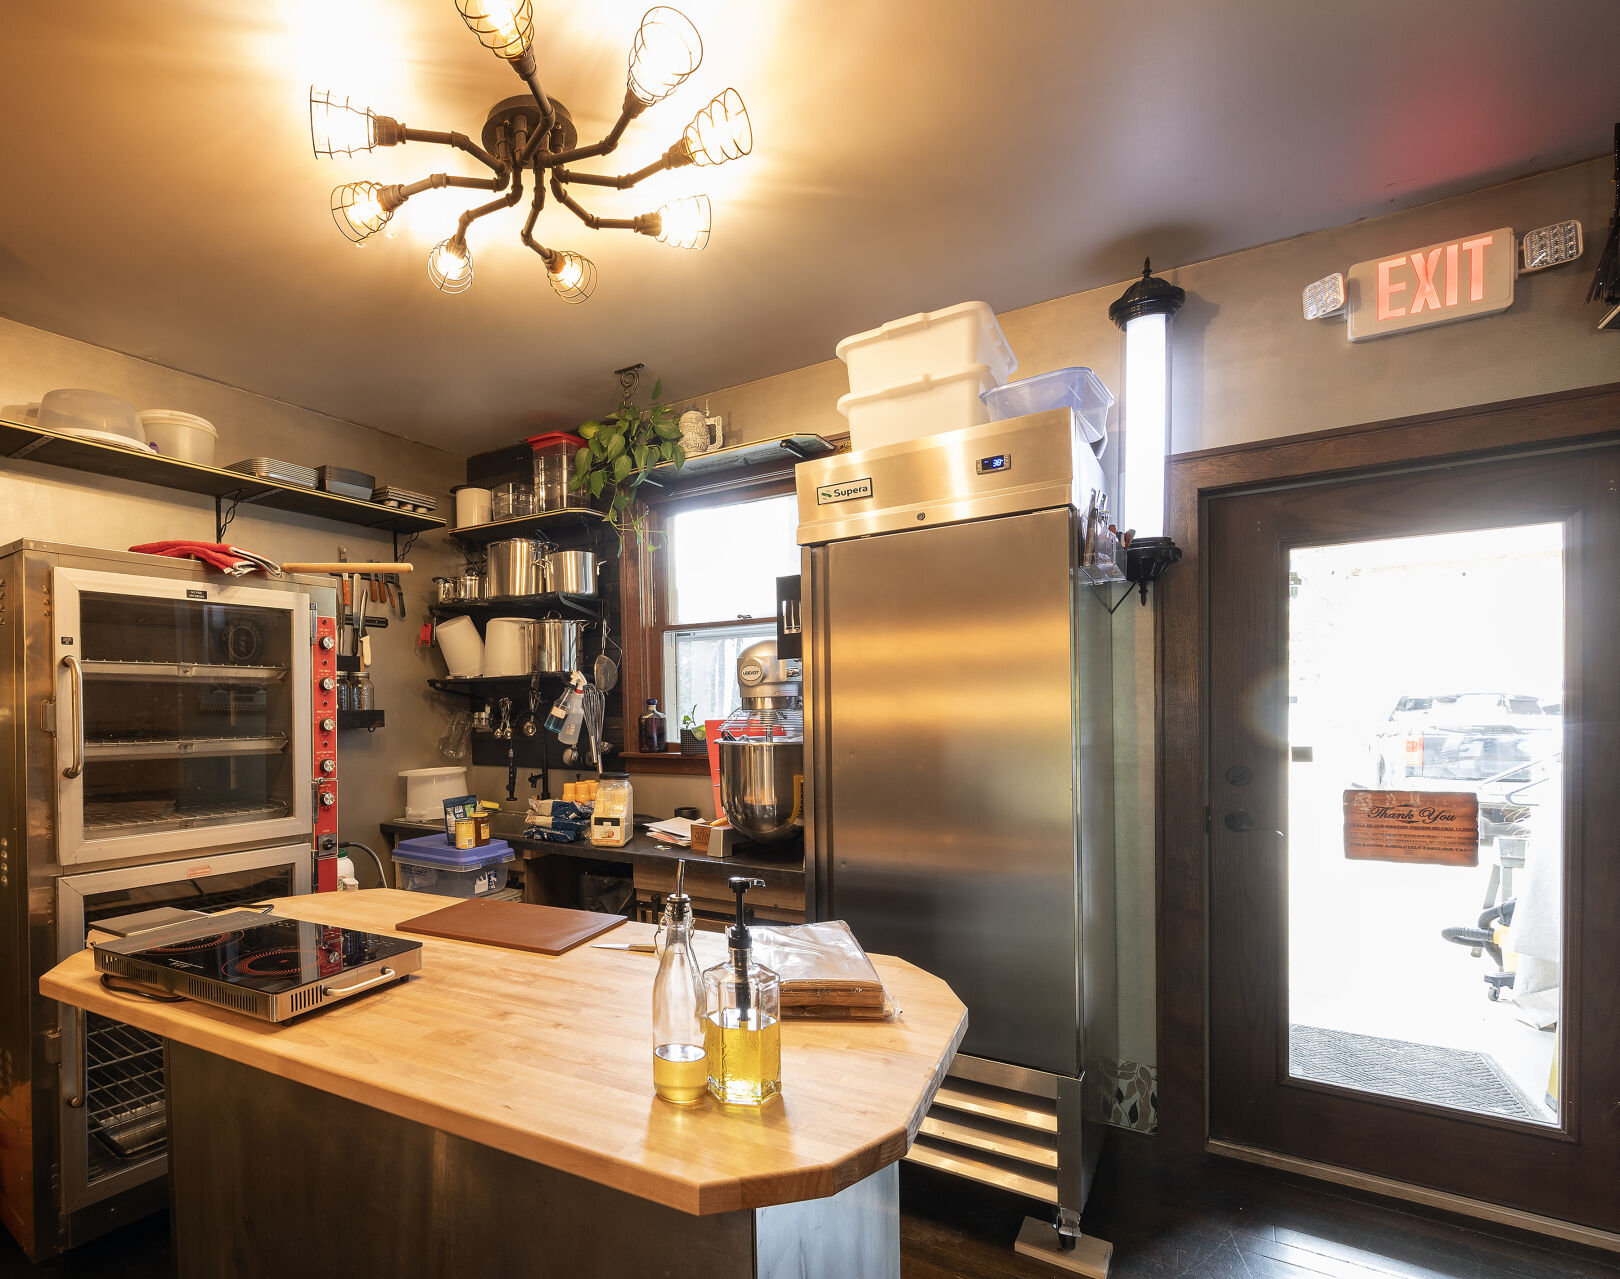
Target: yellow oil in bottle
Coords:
[(680, 1073), (745, 1056)]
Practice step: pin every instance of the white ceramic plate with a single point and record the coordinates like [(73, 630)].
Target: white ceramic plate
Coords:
[(107, 437)]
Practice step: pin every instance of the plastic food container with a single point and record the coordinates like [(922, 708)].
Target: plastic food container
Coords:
[(929, 405), (510, 500), (472, 505), (553, 463), (92, 415), (426, 789), (182, 436), (462, 646), (926, 344), (1073, 388), (430, 865)]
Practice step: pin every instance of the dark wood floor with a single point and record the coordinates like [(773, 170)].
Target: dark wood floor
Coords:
[(1167, 1219)]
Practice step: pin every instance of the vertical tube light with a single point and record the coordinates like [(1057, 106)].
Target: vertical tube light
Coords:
[(1143, 312)]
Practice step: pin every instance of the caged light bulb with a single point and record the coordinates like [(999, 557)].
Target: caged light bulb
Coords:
[(666, 50), (358, 210), (572, 276), (450, 266), (504, 26), (337, 126), (685, 223), (721, 131)]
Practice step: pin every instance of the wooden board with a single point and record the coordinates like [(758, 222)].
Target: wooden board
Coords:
[(545, 930), (550, 1058), (1439, 828)]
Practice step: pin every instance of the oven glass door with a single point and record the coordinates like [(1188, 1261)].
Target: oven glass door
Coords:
[(182, 715), (113, 1117)]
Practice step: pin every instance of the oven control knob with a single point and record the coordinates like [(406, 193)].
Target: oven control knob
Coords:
[(327, 683), (328, 724), (327, 799), (328, 766), (328, 643)]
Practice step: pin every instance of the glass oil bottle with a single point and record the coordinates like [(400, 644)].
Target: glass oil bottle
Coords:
[(680, 1060), (743, 1034)]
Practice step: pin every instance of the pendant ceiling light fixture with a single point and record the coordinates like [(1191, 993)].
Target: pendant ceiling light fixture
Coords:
[(535, 133)]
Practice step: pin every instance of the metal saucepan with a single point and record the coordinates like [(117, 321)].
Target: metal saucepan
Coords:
[(514, 567), (470, 587), (444, 590), (571, 572)]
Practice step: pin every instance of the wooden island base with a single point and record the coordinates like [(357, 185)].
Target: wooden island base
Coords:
[(273, 1178)]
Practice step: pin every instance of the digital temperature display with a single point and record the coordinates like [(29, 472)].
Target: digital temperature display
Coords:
[(1000, 462)]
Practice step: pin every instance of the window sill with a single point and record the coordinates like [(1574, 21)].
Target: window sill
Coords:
[(666, 762)]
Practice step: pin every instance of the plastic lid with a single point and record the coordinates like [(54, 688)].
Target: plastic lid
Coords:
[(555, 437), (437, 850)]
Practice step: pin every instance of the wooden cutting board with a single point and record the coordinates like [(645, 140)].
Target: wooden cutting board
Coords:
[(545, 930)]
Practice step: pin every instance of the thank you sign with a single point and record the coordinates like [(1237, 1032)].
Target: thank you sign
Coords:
[(1459, 279), (1432, 827)]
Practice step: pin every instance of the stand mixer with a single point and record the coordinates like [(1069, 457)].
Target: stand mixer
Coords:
[(762, 747)]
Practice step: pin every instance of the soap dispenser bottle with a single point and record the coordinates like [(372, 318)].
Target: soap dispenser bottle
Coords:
[(680, 1067), (743, 1035)]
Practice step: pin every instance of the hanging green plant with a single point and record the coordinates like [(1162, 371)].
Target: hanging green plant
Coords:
[(619, 452)]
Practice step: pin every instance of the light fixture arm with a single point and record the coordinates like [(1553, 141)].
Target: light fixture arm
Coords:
[(494, 206), (632, 107), (458, 140), (646, 223), (674, 158)]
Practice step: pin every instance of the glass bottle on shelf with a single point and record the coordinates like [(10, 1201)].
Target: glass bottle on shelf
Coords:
[(742, 1032), (680, 1061), (654, 735)]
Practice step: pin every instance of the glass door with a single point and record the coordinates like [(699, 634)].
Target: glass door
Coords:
[(183, 715)]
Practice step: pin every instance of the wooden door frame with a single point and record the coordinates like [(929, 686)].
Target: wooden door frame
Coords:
[(1182, 730)]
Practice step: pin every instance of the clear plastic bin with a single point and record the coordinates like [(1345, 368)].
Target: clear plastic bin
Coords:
[(927, 344), (1073, 388), (553, 464), (432, 865)]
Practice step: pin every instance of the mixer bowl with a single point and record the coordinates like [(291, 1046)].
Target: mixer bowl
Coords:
[(760, 783)]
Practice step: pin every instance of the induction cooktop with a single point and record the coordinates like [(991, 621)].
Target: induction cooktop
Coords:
[(257, 963)]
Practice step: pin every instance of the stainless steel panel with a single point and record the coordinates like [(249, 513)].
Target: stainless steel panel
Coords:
[(939, 480), (950, 809)]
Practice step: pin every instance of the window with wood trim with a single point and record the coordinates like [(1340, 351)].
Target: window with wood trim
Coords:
[(698, 590)]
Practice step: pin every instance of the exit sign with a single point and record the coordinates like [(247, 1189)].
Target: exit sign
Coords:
[(1458, 279)]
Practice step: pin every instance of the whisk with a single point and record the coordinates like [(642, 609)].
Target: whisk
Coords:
[(593, 705)]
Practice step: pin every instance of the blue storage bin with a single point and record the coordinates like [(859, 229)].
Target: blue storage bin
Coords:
[(432, 864), (1073, 388)]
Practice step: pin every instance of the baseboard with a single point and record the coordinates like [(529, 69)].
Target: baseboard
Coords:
[(1479, 1210)]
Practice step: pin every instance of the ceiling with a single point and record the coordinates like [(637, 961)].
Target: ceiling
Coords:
[(909, 154)]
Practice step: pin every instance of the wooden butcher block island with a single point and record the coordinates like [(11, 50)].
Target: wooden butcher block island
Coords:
[(494, 1114)]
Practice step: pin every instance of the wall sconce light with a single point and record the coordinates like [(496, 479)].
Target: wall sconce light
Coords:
[(1324, 300)]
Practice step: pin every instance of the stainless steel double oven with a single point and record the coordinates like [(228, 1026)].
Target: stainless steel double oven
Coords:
[(156, 749)]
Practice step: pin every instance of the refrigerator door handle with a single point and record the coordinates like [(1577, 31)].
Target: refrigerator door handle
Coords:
[(73, 1065), (76, 687)]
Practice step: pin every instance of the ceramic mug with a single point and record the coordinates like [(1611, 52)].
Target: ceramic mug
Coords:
[(699, 433)]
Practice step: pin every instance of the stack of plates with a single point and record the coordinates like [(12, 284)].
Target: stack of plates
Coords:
[(269, 468), (388, 495)]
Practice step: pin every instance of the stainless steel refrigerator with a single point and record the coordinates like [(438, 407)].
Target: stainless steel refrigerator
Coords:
[(958, 741)]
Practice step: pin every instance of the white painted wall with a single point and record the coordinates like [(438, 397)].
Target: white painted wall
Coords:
[(49, 503), (1247, 367)]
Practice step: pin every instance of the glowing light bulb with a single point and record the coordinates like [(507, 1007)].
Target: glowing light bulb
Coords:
[(337, 126), (686, 222), (572, 276), (358, 210), (721, 131), (504, 26), (450, 266), (666, 50)]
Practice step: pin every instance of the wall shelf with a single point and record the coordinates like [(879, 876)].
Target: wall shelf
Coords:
[(568, 607), (472, 685), (547, 524), (371, 721), (777, 450), (229, 489)]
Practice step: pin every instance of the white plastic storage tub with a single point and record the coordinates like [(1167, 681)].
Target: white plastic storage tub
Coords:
[(182, 436), (1072, 388), (431, 865), (912, 410), (426, 789), (925, 345)]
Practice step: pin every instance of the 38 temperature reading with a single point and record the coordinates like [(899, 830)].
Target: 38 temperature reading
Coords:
[(1000, 462)]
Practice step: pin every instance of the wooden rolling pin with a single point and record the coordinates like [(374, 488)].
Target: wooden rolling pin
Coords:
[(346, 566)]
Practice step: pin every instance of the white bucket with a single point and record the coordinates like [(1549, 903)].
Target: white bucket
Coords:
[(463, 650), (426, 789), (509, 646), (472, 505)]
